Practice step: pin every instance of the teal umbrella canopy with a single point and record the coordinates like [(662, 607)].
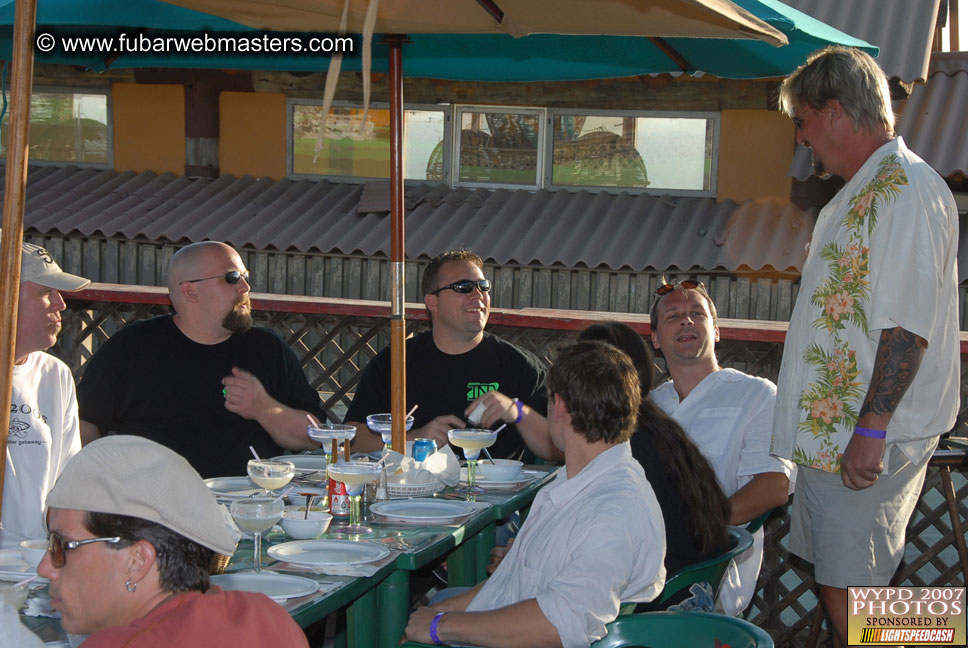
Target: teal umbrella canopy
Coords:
[(99, 25)]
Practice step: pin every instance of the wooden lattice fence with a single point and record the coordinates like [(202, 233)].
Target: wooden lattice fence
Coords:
[(334, 346)]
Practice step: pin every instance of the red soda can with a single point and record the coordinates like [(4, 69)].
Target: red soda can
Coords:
[(339, 501)]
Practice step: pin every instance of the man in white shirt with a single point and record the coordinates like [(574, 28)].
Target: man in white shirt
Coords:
[(44, 431), (594, 537), (729, 415), (870, 370)]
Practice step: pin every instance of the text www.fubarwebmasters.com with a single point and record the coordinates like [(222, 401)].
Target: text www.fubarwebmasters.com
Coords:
[(204, 43)]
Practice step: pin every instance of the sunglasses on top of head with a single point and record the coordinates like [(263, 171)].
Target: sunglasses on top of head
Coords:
[(686, 284), (231, 277), (465, 286)]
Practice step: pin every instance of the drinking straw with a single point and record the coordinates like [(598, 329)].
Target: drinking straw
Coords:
[(412, 410), (312, 420), (25, 581), (500, 428), (283, 494), (254, 453)]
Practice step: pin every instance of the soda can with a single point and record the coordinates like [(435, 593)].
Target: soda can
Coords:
[(423, 448), (339, 501)]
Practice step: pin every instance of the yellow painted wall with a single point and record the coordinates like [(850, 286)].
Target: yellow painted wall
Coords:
[(252, 134), (755, 150), (149, 127)]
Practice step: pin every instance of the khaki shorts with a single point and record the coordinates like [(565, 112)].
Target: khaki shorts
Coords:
[(854, 538)]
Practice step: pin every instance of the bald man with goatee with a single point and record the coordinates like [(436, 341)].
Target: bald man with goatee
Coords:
[(203, 381)]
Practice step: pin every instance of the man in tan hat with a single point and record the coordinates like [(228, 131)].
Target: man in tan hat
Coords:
[(133, 531), (44, 431)]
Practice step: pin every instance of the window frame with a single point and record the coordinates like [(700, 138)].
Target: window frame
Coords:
[(541, 151), (291, 102), (716, 118), (73, 90)]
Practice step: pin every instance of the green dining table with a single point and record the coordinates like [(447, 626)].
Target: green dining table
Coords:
[(377, 606)]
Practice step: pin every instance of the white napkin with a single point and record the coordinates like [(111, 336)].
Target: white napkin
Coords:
[(441, 466)]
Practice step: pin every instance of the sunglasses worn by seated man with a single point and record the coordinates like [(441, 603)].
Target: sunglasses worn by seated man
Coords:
[(465, 286), (231, 277), (57, 547)]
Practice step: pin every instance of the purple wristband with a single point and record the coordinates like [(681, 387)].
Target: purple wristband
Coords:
[(433, 629), (520, 407), (873, 434)]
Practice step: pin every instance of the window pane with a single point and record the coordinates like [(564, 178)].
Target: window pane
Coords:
[(348, 150), (500, 148), (639, 152), (66, 127)]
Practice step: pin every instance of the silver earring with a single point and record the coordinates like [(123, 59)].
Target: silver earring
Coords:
[(131, 587)]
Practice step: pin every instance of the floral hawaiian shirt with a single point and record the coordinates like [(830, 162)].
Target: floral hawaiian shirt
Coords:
[(883, 255)]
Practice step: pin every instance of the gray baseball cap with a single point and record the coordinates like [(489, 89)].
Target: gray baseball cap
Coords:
[(38, 266), (130, 475)]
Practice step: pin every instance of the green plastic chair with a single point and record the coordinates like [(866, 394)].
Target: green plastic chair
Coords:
[(711, 571), (682, 630)]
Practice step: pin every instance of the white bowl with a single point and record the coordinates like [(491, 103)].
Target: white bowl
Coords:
[(502, 470), (295, 526), (32, 551)]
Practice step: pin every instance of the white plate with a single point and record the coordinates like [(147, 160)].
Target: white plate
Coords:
[(278, 587), (13, 568), (423, 510), (328, 553), (232, 487), (305, 464), (485, 483)]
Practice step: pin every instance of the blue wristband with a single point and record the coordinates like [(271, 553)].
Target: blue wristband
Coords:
[(433, 629), (873, 434), (518, 404)]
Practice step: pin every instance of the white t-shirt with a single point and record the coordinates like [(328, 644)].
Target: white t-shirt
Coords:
[(884, 254), (44, 434), (729, 416), (590, 543)]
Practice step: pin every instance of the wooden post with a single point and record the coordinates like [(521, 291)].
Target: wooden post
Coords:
[(25, 12), (398, 323)]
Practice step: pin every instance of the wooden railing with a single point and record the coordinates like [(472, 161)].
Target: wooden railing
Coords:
[(336, 338)]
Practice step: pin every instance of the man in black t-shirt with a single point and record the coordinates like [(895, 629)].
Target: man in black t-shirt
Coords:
[(203, 381), (457, 374)]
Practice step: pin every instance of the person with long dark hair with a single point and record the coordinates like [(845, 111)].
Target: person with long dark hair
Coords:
[(694, 506)]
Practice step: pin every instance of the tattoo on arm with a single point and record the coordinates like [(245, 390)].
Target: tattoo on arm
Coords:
[(899, 354)]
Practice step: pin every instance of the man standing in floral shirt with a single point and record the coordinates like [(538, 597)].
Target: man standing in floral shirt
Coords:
[(869, 377)]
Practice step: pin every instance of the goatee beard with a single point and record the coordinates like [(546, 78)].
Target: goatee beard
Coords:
[(818, 169), (238, 320)]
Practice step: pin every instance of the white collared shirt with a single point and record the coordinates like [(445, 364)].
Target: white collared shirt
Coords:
[(588, 544)]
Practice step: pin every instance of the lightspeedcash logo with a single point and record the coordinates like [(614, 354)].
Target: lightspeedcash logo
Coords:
[(914, 616)]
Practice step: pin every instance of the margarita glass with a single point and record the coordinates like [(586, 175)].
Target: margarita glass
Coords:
[(355, 475), (472, 441), (270, 474), (326, 433), (254, 515), (382, 423)]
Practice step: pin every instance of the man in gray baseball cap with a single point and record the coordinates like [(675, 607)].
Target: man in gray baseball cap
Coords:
[(44, 427), (133, 534)]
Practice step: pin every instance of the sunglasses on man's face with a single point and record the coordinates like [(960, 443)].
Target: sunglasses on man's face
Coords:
[(57, 547), (465, 286), (686, 284), (231, 277)]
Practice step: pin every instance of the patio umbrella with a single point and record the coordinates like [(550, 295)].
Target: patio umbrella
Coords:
[(714, 36)]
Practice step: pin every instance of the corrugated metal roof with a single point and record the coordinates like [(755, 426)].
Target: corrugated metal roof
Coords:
[(935, 119), (903, 29), (636, 232)]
